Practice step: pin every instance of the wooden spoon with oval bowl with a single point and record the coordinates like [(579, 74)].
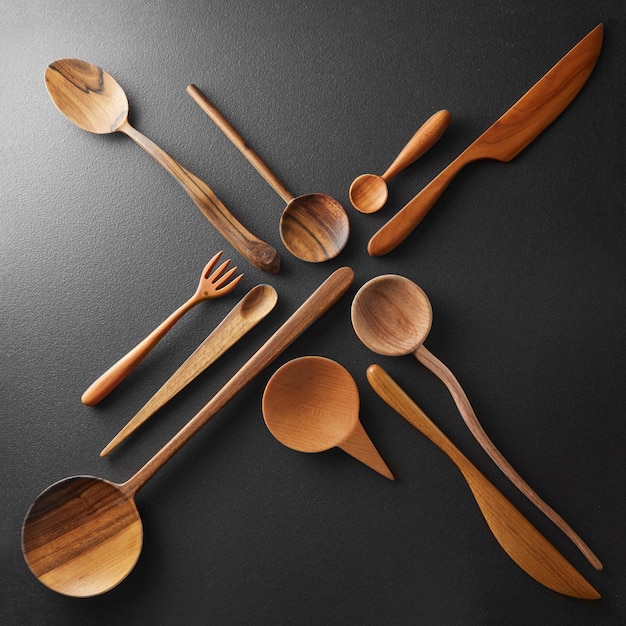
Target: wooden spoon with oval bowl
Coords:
[(314, 227), (311, 404), (83, 535), (391, 315), (94, 101), (517, 536)]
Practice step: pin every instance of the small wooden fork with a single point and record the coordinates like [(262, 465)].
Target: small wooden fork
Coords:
[(211, 285)]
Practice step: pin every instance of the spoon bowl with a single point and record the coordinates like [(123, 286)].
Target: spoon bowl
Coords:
[(368, 193), (311, 404)]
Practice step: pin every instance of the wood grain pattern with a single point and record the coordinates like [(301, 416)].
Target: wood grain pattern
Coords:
[(311, 404), (248, 312), (517, 536), (93, 100), (504, 139), (392, 316)]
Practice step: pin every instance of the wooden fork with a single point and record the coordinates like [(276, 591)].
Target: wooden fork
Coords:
[(211, 285)]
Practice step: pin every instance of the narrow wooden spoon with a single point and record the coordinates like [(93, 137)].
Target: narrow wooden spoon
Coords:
[(314, 227), (94, 101), (391, 315), (246, 314), (311, 404), (82, 536), (368, 192), (517, 536)]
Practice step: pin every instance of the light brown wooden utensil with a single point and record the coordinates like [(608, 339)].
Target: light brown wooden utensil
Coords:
[(392, 316), (248, 312), (211, 285), (368, 192), (517, 536), (83, 535), (314, 227), (93, 100), (504, 139), (311, 404)]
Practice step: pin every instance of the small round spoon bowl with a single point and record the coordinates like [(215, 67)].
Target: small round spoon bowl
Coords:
[(311, 404)]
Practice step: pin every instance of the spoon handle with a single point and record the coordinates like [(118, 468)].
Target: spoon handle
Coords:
[(224, 125), (107, 382), (517, 536), (467, 413), (322, 299), (259, 253), (423, 140)]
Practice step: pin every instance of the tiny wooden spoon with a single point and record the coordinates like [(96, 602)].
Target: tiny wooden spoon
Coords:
[(391, 315), (82, 536), (94, 101), (368, 192), (311, 404), (517, 536), (314, 227)]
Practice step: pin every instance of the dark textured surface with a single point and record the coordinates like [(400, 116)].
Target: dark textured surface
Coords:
[(523, 263)]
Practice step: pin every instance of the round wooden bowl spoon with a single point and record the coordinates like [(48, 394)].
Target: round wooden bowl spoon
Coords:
[(392, 316), (95, 102), (368, 192), (311, 404), (314, 227)]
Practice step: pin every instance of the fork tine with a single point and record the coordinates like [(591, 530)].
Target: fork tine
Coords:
[(208, 268), (222, 284), (216, 274)]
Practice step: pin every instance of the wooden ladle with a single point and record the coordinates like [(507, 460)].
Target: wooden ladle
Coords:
[(94, 101), (368, 192), (314, 227), (83, 535), (517, 536), (311, 404), (392, 316)]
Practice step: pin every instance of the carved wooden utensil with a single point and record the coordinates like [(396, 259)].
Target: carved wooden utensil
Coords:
[(517, 536), (83, 535), (392, 316), (504, 139), (368, 192), (212, 285), (94, 101), (314, 227), (311, 404)]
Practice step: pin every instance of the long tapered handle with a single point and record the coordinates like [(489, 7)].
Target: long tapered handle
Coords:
[(313, 308), (469, 417), (259, 253), (107, 382), (423, 140), (253, 158)]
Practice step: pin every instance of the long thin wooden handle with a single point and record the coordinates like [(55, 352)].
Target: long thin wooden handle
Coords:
[(259, 253), (224, 125), (107, 382), (314, 307), (423, 140), (469, 417)]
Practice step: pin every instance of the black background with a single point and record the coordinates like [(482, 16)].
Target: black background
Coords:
[(523, 263)]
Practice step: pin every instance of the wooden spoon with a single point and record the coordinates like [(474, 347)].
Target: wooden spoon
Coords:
[(95, 102), (248, 312), (391, 315), (368, 192), (314, 227), (83, 535), (311, 404), (517, 536)]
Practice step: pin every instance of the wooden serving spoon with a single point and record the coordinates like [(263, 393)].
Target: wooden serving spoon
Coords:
[(248, 312), (83, 535), (314, 227), (95, 102), (311, 404), (392, 316), (368, 192), (211, 285), (517, 536)]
